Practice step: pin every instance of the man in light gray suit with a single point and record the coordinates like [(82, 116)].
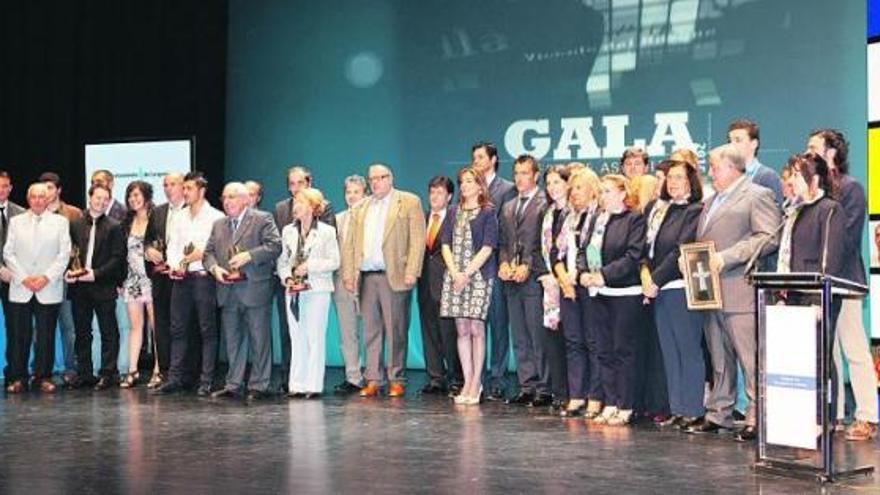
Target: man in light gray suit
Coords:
[(741, 218), (347, 312), (241, 254), (8, 209)]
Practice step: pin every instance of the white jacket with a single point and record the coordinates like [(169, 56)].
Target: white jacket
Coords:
[(321, 251), (37, 245)]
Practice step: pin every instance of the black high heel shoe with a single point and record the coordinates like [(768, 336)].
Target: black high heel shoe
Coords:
[(131, 379)]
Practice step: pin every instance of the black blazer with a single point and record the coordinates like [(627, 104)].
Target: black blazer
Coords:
[(854, 206), (526, 234), (156, 229), (678, 227), (622, 248), (501, 191), (117, 211), (108, 258), (812, 227)]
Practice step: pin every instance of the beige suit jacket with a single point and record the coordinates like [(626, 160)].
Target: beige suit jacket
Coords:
[(403, 242)]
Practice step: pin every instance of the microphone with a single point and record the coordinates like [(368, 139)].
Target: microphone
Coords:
[(825, 241)]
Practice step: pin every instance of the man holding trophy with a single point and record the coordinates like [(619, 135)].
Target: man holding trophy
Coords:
[(240, 254), (520, 264), (192, 288)]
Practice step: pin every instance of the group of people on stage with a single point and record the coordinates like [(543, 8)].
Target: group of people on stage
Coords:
[(583, 272)]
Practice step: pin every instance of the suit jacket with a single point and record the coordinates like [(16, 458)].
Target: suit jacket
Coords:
[(322, 255), (501, 191), (13, 210), (852, 199), (433, 266), (747, 219), (403, 241), (117, 211), (109, 257), (767, 177), (524, 235), (43, 249), (257, 235), (156, 230), (284, 214)]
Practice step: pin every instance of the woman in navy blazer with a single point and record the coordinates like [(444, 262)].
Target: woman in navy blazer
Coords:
[(672, 221), (469, 237)]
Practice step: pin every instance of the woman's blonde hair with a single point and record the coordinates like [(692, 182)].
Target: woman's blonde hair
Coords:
[(631, 200), (644, 186), (314, 198), (584, 174)]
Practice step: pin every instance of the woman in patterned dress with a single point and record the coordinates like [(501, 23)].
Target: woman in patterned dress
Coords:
[(137, 289), (470, 237)]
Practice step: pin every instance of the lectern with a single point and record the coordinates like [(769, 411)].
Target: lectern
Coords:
[(796, 407)]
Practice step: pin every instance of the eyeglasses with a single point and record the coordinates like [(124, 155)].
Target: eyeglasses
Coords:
[(377, 178)]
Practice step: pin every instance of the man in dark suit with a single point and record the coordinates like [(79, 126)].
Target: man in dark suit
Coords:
[(298, 178), (741, 218), (241, 254), (102, 253), (438, 334), (162, 221), (115, 209), (484, 158), (8, 209), (520, 263)]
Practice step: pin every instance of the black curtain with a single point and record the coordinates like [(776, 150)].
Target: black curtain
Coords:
[(74, 71)]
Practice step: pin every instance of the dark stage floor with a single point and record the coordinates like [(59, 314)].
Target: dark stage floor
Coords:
[(128, 442)]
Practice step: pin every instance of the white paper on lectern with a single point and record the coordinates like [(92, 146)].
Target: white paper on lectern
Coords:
[(790, 346)]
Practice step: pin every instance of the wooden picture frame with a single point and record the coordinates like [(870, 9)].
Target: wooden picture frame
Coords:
[(702, 285)]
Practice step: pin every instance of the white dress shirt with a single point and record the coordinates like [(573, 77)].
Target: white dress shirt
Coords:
[(374, 231), (174, 213), (192, 229)]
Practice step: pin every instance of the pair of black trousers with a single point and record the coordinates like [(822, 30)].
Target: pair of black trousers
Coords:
[(439, 342), (162, 315), (193, 296), (20, 332), (85, 305), (617, 322), (581, 348)]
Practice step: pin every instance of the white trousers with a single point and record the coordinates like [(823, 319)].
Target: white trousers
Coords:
[(852, 340), (307, 342)]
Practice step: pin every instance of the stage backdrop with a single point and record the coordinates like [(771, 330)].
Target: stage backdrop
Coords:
[(338, 84)]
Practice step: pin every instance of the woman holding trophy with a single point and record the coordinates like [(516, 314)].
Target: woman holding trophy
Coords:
[(309, 256), (137, 288)]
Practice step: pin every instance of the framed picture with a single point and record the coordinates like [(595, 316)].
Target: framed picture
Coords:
[(702, 286)]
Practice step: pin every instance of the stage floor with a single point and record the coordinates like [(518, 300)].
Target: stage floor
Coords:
[(125, 441)]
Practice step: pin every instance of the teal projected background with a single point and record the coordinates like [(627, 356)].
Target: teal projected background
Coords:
[(340, 83)]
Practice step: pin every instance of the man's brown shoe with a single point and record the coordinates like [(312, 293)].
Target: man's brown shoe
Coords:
[(860, 431), (371, 390), (396, 390), (15, 387), (46, 386)]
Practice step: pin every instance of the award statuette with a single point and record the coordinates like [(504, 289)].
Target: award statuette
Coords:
[(182, 268), (234, 274), (162, 266), (76, 268), (297, 283)]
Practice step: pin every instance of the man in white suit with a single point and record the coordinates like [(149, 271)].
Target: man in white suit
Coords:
[(36, 253)]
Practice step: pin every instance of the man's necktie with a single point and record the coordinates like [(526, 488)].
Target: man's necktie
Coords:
[(520, 208), (433, 229)]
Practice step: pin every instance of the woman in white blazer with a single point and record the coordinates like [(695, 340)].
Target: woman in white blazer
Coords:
[(307, 271)]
